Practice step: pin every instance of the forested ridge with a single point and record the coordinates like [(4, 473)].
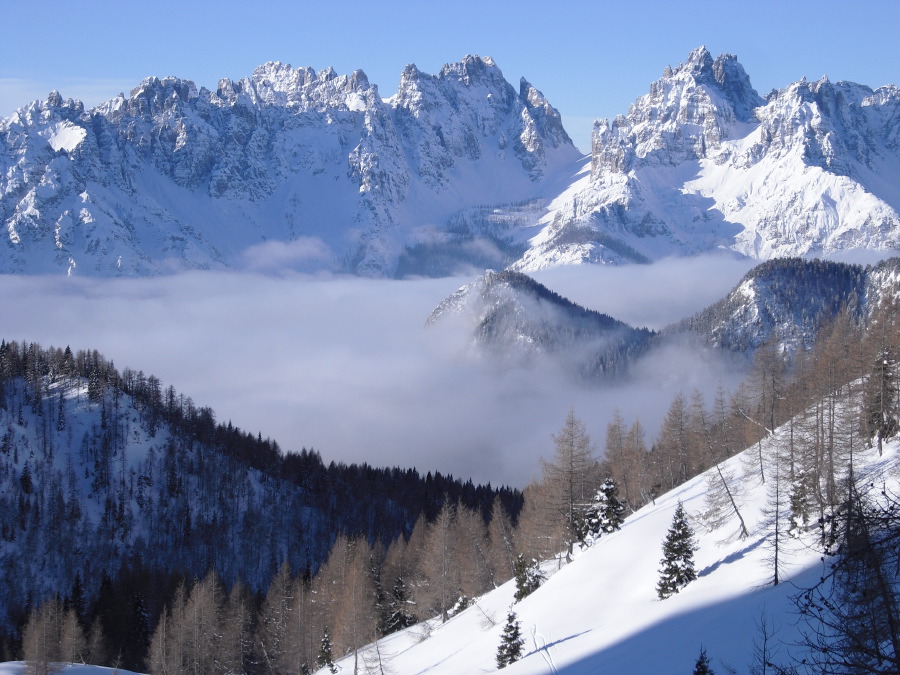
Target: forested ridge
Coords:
[(787, 300), (114, 490)]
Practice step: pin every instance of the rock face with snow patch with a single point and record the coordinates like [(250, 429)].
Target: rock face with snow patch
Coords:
[(702, 162), (172, 178), (513, 317)]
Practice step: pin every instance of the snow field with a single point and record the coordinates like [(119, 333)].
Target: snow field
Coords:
[(600, 614)]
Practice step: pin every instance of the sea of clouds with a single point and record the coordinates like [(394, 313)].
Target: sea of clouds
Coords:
[(346, 365)]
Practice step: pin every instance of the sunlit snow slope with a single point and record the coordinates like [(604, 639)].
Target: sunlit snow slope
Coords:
[(703, 162), (600, 614)]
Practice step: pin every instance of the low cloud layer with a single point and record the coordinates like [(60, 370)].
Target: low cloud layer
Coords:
[(345, 365)]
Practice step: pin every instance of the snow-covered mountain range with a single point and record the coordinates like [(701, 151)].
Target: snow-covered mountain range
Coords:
[(171, 177), (702, 162), (315, 170)]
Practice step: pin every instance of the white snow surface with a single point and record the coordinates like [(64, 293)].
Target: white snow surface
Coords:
[(600, 613), (19, 668), (65, 136)]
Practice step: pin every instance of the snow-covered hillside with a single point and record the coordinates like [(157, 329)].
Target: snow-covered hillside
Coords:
[(517, 320), (789, 301), (20, 668), (600, 614)]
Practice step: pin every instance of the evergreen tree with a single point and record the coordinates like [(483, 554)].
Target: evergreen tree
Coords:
[(528, 577), (605, 514), (326, 657), (399, 616), (61, 413), (95, 386), (702, 666), (511, 642), (612, 513), (76, 597), (677, 564), (881, 414), (138, 634)]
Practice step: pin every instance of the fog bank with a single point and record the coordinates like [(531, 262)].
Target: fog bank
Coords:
[(345, 365)]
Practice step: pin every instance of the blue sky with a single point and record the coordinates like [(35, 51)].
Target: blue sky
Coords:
[(591, 59)]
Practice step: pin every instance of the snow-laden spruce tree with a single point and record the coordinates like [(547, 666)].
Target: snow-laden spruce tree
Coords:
[(528, 576), (702, 666), (677, 564), (605, 514), (326, 655), (511, 642)]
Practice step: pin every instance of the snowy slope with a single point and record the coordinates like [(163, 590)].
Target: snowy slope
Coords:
[(600, 614), (702, 162), (19, 668)]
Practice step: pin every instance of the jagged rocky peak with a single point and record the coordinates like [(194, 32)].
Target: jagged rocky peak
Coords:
[(686, 115), (547, 120), (279, 84), (156, 92), (833, 124), (725, 74), (55, 100), (55, 106), (473, 70), (735, 83), (420, 93)]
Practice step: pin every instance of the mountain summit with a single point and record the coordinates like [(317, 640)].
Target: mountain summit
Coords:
[(172, 177), (455, 171), (702, 162)]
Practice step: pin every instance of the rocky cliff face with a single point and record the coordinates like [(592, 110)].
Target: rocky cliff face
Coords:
[(171, 177), (455, 170), (702, 162), (687, 115)]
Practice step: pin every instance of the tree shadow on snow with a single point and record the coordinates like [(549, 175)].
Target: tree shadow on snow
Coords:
[(727, 630)]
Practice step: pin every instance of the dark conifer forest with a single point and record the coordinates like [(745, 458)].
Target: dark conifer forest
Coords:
[(118, 490)]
